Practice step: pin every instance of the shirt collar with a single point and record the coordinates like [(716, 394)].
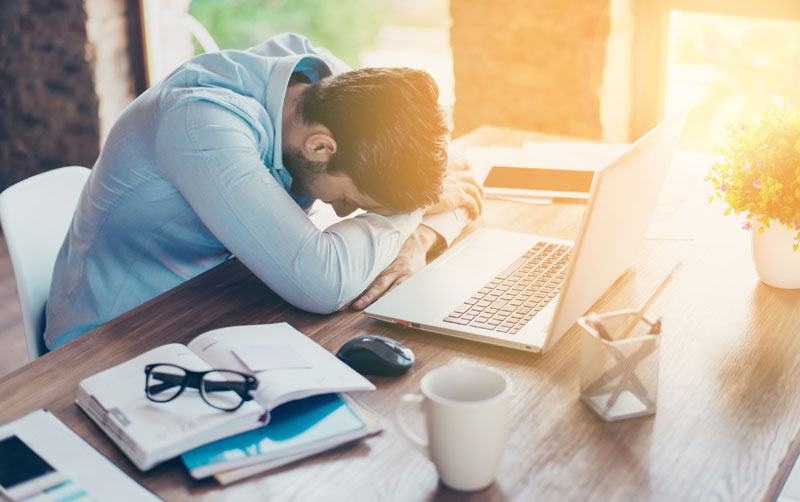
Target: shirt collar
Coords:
[(315, 68)]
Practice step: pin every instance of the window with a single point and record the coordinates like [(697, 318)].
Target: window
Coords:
[(724, 58)]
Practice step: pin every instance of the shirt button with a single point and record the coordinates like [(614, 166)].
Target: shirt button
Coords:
[(265, 179)]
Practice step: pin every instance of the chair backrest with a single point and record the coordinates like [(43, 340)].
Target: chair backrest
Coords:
[(35, 215)]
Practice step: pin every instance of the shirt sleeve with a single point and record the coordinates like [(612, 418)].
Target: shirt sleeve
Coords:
[(212, 156), (448, 225)]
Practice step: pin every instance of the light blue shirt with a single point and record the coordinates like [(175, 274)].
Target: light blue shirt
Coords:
[(191, 174)]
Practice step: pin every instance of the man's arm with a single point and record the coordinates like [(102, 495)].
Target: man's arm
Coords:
[(212, 156), (440, 226)]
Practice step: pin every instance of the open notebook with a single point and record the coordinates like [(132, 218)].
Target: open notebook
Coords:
[(287, 364)]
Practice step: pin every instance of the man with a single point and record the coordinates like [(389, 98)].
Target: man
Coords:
[(226, 155)]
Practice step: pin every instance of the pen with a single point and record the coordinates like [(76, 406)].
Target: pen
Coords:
[(649, 302)]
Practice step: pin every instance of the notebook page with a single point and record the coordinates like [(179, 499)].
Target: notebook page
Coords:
[(315, 371)]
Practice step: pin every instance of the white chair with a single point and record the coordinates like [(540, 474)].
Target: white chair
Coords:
[(35, 215)]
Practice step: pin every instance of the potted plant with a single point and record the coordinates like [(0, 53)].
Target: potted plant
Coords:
[(759, 176)]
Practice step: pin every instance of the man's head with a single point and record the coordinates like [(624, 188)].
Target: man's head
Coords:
[(381, 128)]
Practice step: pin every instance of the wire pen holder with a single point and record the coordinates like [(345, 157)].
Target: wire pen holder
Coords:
[(619, 376)]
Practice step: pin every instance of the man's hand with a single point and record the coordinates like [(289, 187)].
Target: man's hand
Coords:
[(410, 259), (460, 190)]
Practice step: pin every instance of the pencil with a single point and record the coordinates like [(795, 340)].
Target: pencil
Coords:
[(650, 301)]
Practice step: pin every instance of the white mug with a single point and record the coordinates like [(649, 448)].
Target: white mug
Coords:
[(466, 411)]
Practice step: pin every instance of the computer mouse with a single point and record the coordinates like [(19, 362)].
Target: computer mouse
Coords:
[(376, 355)]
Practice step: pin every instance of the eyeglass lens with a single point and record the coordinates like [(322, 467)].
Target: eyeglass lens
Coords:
[(164, 382), (223, 389)]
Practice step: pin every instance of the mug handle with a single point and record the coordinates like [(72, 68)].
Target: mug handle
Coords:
[(405, 431)]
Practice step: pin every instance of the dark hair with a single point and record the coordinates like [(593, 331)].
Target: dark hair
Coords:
[(389, 130)]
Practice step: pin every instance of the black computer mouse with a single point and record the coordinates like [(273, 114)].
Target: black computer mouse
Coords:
[(376, 355)]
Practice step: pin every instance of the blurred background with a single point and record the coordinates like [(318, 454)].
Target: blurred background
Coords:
[(598, 69)]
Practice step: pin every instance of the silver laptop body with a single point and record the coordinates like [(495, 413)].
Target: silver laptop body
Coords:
[(623, 197)]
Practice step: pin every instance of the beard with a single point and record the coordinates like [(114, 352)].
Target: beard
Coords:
[(303, 171)]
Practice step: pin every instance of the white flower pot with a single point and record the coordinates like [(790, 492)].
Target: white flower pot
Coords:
[(777, 264)]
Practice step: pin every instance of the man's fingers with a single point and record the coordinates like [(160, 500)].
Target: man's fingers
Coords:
[(472, 208), (399, 280), (468, 179), (362, 303), (459, 164), (465, 176), (371, 294), (461, 189), (471, 197), (477, 185), (364, 300), (380, 286), (475, 194)]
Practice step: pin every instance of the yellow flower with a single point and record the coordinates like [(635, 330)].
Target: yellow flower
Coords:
[(759, 174)]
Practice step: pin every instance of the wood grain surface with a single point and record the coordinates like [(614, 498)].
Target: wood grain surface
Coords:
[(728, 419)]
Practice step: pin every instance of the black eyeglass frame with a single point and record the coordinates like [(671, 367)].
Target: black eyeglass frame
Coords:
[(194, 380)]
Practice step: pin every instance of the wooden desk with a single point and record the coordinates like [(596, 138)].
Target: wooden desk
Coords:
[(728, 420)]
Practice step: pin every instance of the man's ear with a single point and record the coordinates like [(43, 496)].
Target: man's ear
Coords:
[(319, 147)]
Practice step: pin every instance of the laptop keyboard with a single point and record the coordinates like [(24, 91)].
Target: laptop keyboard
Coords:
[(507, 302)]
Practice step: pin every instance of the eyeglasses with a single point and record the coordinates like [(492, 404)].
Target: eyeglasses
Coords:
[(225, 390)]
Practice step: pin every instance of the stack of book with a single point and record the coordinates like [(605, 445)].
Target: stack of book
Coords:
[(297, 410)]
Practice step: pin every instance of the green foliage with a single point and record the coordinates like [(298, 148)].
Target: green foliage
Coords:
[(345, 27), (760, 172)]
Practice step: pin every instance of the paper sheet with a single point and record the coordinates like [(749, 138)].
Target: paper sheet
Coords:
[(684, 198)]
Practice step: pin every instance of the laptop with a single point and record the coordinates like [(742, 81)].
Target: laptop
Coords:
[(525, 291)]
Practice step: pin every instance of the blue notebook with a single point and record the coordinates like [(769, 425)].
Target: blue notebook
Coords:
[(297, 429)]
